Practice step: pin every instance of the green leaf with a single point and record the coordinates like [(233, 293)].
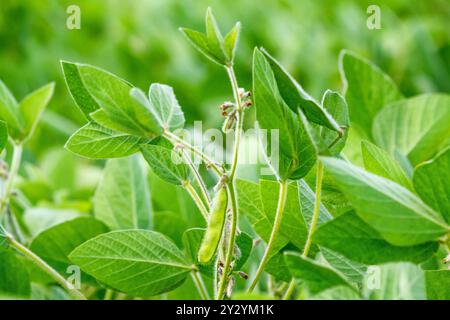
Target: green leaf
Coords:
[(297, 153), (307, 200), (214, 36), (97, 142), (122, 198), (292, 224), (231, 40), (163, 104), (3, 135), (170, 224), (438, 284), (14, 279), (337, 107), (112, 94), (277, 267), (296, 97), (9, 111), (397, 214), (32, 106), (381, 163), (166, 163), (432, 183), (200, 42), (353, 271), (56, 243), (77, 89), (417, 127), (317, 277), (137, 262), (192, 239), (395, 281), (245, 244), (39, 219), (350, 236), (367, 90), (251, 206)]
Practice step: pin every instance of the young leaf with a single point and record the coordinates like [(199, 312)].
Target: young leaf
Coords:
[(139, 263), (56, 243), (432, 183), (317, 277), (14, 278), (214, 36), (251, 206), (77, 89), (297, 153), (163, 104), (97, 142), (32, 106), (438, 284), (122, 198), (395, 281), (367, 90), (397, 214), (350, 236), (112, 94), (166, 163), (9, 111), (381, 163), (231, 40), (296, 97), (3, 135), (417, 127), (200, 42)]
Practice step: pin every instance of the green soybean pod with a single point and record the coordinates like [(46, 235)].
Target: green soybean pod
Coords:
[(216, 222)]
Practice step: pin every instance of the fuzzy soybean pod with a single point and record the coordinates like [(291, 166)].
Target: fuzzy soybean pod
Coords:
[(216, 222)]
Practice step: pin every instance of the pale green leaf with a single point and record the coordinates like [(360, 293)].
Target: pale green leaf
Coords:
[(432, 183), (9, 111), (367, 90), (122, 198), (3, 135), (32, 107), (231, 40), (200, 42), (97, 142), (40, 218), (166, 163), (350, 236), (336, 293), (381, 163), (214, 36), (137, 262), (395, 281), (417, 127), (353, 271), (395, 212)]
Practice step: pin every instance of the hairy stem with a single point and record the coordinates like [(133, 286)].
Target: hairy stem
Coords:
[(198, 281), (276, 226), (209, 162), (198, 178), (314, 219), (231, 241), (14, 168), (239, 120), (198, 201), (46, 268)]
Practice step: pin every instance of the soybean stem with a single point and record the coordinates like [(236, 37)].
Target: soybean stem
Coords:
[(198, 178), (46, 268), (198, 201), (197, 278), (314, 219), (14, 168), (239, 120), (108, 294), (276, 226), (231, 240)]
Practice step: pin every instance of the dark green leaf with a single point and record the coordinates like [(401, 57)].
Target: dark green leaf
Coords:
[(438, 284), (14, 279)]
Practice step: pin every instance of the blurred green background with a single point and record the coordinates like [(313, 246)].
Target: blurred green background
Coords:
[(139, 41)]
